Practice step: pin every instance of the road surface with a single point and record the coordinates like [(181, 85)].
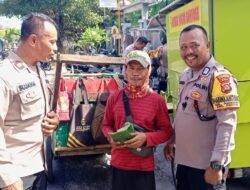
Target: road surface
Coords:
[(93, 173)]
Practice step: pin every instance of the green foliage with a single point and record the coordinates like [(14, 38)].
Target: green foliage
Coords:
[(134, 17), (81, 14), (71, 16), (92, 37), (10, 36), (2, 33), (110, 20), (154, 9)]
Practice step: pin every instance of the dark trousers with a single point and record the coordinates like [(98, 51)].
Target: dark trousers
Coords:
[(36, 181), (132, 180), (193, 179)]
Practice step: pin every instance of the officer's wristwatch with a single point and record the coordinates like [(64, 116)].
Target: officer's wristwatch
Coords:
[(216, 165)]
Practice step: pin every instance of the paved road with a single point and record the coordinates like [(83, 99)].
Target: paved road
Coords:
[(93, 173)]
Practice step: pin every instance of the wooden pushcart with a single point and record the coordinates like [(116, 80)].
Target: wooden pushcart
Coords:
[(52, 150)]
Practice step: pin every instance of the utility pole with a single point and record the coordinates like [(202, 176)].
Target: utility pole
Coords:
[(119, 24)]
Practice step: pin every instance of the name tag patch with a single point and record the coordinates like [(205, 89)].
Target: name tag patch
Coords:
[(25, 86)]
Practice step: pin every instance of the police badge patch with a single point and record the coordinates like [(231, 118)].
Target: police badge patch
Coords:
[(224, 92)]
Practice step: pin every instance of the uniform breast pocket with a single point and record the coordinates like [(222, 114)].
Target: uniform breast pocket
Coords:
[(202, 102), (31, 103)]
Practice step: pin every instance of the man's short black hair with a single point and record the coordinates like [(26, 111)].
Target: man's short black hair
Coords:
[(33, 23), (142, 40), (194, 26)]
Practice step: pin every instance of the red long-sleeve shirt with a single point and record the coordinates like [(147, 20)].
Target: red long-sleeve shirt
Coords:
[(149, 112)]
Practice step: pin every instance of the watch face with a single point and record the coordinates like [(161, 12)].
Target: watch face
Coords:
[(216, 166)]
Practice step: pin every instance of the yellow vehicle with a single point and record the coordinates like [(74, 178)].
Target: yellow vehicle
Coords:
[(229, 29)]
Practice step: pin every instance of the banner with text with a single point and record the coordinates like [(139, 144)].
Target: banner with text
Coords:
[(186, 15)]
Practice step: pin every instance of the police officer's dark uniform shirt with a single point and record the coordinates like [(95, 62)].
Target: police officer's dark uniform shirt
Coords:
[(22, 109), (209, 135)]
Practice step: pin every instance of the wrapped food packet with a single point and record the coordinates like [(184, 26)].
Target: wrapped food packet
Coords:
[(123, 134)]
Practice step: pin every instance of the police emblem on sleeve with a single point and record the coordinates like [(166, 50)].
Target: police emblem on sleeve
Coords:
[(224, 80), (224, 91), (226, 88)]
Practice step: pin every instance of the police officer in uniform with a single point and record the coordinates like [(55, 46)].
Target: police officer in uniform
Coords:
[(206, 117), (139, 44), (25, 116)]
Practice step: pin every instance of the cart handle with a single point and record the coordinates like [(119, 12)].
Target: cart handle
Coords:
[(79, 59)]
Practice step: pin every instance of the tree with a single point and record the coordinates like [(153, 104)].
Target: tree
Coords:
[(71, 16), (10, 36), (2, 33), (91, 38)]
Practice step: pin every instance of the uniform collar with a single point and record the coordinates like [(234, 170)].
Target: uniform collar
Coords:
[(205, 71), (18, 63)]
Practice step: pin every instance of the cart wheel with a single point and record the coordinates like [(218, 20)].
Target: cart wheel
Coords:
[(49, 160)]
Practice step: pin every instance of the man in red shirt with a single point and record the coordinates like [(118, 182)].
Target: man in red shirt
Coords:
[(149, 111)]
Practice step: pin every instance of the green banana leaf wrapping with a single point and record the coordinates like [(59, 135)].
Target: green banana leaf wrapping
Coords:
[(123, 134)]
